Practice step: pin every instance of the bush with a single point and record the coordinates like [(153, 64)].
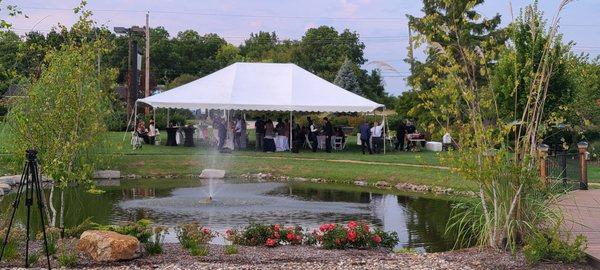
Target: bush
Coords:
[(194, 237), (231, 249), (52, 236), (16, 237), (140, 229), (154, 246), (67, 257), (117, 120), (547, 246), (353, 235), (269, 235)]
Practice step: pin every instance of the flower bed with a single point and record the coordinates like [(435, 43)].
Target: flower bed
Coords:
[(329, 236)]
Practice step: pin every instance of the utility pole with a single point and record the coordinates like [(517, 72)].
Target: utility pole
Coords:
[(147, 75)]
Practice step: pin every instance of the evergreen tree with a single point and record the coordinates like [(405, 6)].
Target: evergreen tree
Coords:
[(347, 79)]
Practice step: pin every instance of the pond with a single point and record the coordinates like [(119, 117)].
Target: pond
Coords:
[(419, 221)]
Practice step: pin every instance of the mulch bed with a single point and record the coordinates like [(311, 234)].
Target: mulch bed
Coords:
[(311, 258)]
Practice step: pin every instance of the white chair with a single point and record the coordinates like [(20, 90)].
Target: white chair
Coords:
[(136, 141), (337, 143), (307, 142), (157, 138)]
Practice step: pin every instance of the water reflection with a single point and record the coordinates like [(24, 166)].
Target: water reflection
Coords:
[(419, 222)]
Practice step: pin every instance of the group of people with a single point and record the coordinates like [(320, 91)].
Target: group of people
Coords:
[(266, 133), (230, 135), (404, 131), (371, 137), (148, 135)]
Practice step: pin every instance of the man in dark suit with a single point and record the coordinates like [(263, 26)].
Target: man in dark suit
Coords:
[(365, 135)]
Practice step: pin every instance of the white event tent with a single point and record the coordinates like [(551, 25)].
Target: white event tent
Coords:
[(261, 87)]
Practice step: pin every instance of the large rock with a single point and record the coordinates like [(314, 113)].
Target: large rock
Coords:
[(212, 174), (10, 179), (107, 174), (5, 187), (105, 246)]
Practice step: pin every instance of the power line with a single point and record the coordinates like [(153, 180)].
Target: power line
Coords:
[(225, 14)]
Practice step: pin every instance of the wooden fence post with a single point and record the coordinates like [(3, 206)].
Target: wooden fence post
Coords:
[(583, 176), (543, 159)]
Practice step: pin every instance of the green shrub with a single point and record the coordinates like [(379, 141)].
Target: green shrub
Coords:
[(15, 239), (140, 229), (75, 232), (52, 236), (154, 246), (547, 246), (270, 235), (33, 258), (405, 250), (199, 250), (67, 257), (231, 249)]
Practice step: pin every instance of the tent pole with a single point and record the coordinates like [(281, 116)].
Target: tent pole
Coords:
[(135, 114), (384, 129), (127, 128), (291, 130)]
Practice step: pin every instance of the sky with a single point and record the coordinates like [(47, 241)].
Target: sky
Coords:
[(381, 24)]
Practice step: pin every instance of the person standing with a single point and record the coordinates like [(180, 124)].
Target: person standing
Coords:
[(328, 130), (312, 135), (365, 135), (377, 139), (152, 132), (400, 134), (259, 126), (237, 137), (222, 125)]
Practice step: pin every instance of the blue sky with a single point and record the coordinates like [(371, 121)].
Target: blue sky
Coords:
[(380, 23)]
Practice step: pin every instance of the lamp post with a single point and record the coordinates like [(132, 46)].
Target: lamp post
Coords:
[(132, 83)]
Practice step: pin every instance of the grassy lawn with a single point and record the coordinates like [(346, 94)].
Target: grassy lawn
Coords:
[(340, 166)]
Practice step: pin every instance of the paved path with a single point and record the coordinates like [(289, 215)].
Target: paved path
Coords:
[(581, 210)]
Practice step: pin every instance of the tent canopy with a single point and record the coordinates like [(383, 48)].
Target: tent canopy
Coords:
[(262, 87)]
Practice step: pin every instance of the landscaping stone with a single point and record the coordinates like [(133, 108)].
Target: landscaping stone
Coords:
[(382, 184), (212, 174), (105, 246), (360, 183), (5, 187), (10, 179), (107, 174)]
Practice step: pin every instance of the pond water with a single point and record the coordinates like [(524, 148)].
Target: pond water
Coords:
[(419, 221)]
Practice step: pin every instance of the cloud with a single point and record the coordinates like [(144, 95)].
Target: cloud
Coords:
[(348, 8), (310, 25)]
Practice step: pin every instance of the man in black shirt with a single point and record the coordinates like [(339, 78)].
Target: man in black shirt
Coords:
[(400, 134), (260, 133)]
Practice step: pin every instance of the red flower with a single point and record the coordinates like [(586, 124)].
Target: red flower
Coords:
[(298, 238), (366, 227), (352, 235), (326, 227), (290, 236), (229, 232), (352, 225), (377, 239), (276, 235), (271, 242), (276, 227), (205, 230)]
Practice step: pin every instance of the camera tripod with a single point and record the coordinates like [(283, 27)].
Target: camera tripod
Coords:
[(29, 185)]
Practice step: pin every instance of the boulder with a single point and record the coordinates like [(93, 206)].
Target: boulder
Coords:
[(360, 183), (5, 187), (105, 246), (10, 179), (382, 184), (212, 174), (107, 174)]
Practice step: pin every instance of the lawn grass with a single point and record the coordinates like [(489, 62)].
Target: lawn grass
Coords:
[(340, 166)]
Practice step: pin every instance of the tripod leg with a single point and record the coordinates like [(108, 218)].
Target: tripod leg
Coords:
[(38, 188), (15, 206), (28, 203)]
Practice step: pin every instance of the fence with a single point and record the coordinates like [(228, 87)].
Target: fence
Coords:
[(561, 166)]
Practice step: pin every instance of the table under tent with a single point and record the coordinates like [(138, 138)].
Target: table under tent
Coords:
[(262, 87)]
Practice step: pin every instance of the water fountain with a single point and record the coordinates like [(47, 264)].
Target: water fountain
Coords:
[(211, 175)]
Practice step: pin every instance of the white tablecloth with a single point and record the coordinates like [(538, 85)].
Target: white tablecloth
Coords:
[(281, 143)]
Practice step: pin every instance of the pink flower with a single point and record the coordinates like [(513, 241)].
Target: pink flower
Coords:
[(270, 242), (352, 235), (276, 235), (276, 227), (377, 239), (205, 230), (298, 238), (352, 225), (290, 236), (366, 226)]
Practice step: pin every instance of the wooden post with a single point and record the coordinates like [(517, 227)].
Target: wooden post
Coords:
[(543, 161), (583, 177), (147, 65)]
